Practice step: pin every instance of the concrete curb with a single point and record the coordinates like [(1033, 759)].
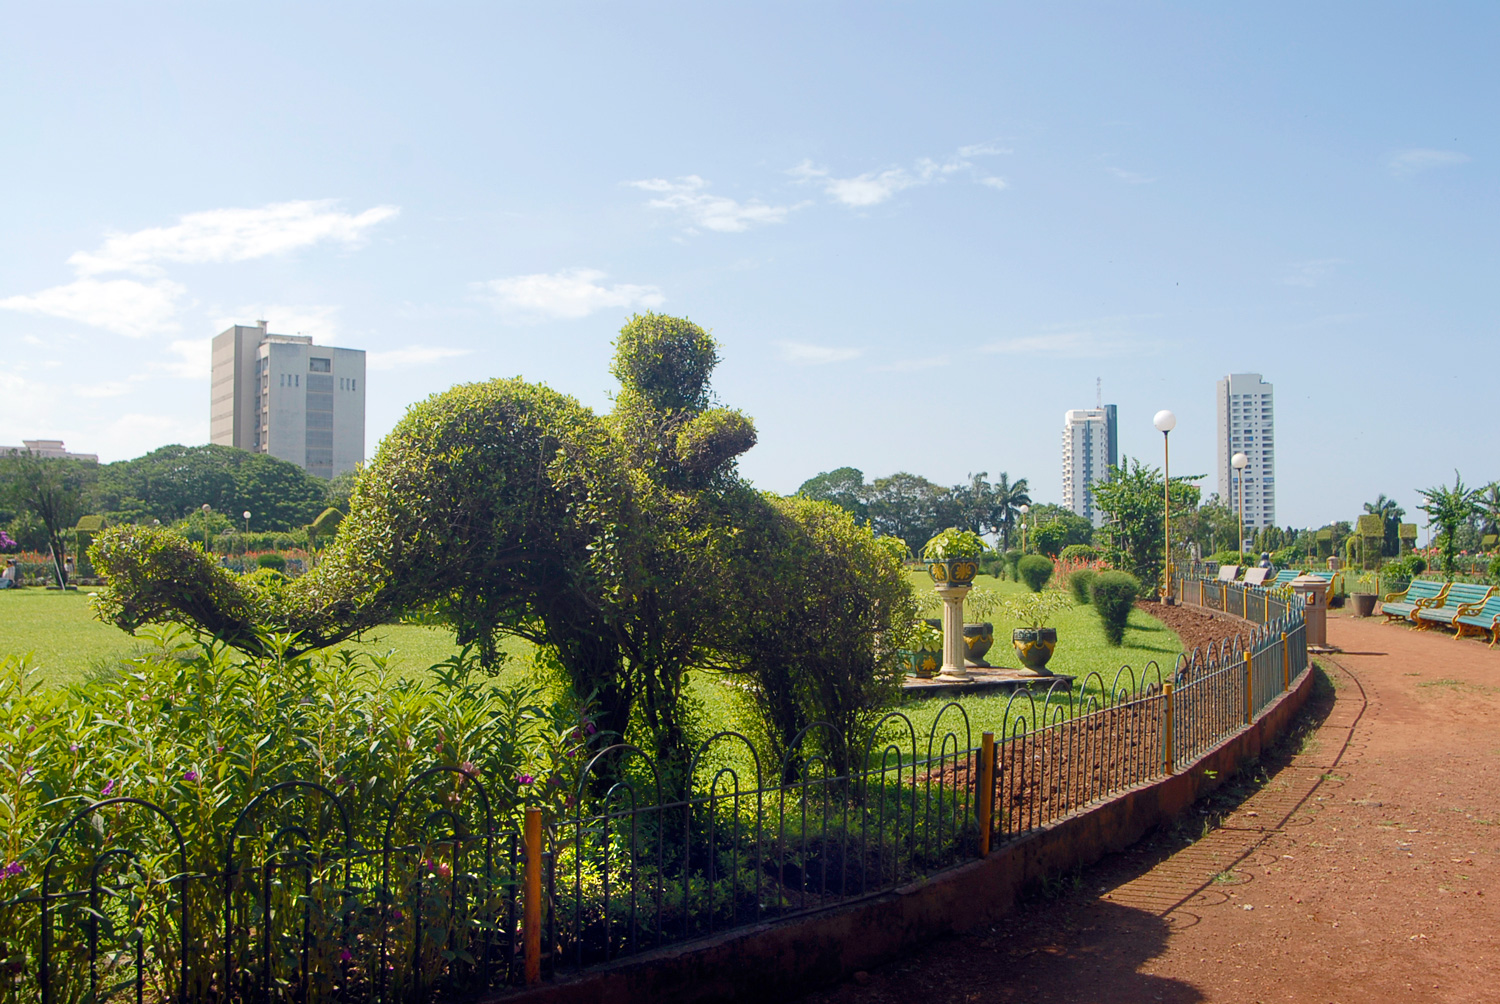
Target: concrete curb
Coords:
[(782, 959)]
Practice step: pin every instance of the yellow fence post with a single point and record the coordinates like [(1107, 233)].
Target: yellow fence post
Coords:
[(532, 907), (1249, 710), (1265, 614), (985, 807), (1286, 664), (1168, 736), (1245, 604)]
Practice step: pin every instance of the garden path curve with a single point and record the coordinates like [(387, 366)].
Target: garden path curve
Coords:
[(1362, 864)]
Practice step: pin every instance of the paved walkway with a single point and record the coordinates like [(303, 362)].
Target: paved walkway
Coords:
[(1362, 864)]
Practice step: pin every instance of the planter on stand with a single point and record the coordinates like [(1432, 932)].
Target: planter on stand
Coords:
[(978, 638)]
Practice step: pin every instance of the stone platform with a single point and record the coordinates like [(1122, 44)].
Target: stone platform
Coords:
[(985, 679)]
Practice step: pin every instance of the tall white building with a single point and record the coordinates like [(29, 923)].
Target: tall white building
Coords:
[(286, 397), (1090, 448), (1247, 424)]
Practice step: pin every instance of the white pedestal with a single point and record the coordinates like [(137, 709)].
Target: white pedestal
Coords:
[(954, 649)]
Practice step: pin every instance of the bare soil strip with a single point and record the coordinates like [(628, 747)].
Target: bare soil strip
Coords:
[(1358, 862)]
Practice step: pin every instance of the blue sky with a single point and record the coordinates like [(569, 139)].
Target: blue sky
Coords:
[(919, 231)]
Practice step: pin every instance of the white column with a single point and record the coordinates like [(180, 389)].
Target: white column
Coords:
[(954, 649)]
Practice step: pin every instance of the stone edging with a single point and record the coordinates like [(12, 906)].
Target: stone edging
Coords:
[(780, 959)]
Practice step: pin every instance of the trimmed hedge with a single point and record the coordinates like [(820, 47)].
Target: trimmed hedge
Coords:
[(1081, 583), (1114, 595), (1034, 570)]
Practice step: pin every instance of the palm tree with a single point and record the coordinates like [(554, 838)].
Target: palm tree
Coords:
[(1390, 522), (1007, 501), (1448, 509), (1489, 507)]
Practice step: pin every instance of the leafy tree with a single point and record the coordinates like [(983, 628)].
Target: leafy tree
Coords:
[(1390, 516), (1450, 509), (52, 489), (1133, 501), (905, 506), (1056, 530), (171, 482), (844, 487), (1489, 505)]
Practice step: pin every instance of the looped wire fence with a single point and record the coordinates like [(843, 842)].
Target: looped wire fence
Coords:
[(300, 902)]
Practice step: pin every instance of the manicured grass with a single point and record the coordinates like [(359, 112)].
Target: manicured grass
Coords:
[(67, 641)]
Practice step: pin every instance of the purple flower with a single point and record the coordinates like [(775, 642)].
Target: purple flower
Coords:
[(190, 776), (468, 768), (588, 728), (525, 779), (13, 869), (397, 915), (72, 747), (107, 788), (346, 956)]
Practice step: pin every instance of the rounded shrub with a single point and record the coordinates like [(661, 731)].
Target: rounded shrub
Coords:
[(1034, 570), (1081, 583), (1079, 552), (1494, 570), (275, 562), (1114, 595)]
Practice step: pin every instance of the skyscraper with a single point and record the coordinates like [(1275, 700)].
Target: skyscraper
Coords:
[(284, 396), (1247, 425), (1090, 449)]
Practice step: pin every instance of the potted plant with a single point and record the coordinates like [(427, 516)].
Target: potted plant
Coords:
[(1366, 592), (952, 556), (1034, 640), (924, 660), (979, 633)]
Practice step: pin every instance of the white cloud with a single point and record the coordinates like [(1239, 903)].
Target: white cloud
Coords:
[(224, 235), (194, 359), (1405, 163), (1309, 273), (1130, 177), (566, 295), (911, 365), (802, 354), (688, 197), (999, 184), (112, 388), (875, 187), (412, 355), (136, 433), (1070, 345), (123, 306), (317, 320)]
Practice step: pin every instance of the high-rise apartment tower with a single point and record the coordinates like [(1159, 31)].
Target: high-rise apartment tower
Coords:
[(286, 397), (1247, 424), (1090, 448)]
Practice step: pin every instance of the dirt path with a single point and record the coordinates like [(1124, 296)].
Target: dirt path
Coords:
[(1362, 864)]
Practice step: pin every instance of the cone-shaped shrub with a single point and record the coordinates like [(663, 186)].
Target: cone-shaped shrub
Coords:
[(1034, 570), (1114, 594), (1081, 582)]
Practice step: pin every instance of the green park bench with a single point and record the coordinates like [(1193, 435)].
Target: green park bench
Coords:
[(1283, 577), (1479, 620), (1460, 597), (1419, 592)]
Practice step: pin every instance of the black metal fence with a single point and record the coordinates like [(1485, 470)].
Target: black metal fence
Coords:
[(445, 897)]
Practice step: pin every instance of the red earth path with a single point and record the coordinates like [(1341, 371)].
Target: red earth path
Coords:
[(1361, 862)]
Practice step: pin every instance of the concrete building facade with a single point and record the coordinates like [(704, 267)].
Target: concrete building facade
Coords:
[(1247, 424), (284, 396), (47, 448), (1090, 447)]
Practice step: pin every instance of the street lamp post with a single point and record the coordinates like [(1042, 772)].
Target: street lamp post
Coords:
[(246, 514), (1240, 462), (207, 546), (1024, 510), (1165, 422)]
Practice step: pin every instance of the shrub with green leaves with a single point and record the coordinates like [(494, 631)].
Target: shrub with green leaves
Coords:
[(1495, 571), (1113, 595), (1034, 570), (1078, 552), (1081, 583)]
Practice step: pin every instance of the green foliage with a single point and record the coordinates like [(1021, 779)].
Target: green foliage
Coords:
[(980, 603), (53, 489), (1450, 509), (1114, 595), (1495, 571), (1242, 558), (953, 543), (272, 561), (1134, 500), (1036, 609), (666, 361), (844, 487), (1034, 570), (1081, 584), (1079, 552), (1061, 531), (174, 481), (905, 505)]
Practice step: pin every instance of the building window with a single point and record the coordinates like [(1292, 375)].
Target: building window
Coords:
[(316, 365)]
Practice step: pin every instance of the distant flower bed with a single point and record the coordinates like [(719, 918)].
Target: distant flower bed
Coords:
[(290, 563)]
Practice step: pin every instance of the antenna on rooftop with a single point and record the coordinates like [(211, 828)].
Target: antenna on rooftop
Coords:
[(1099, 393)]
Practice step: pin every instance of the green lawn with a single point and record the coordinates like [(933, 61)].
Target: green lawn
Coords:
[(66, 639), (61, 632)]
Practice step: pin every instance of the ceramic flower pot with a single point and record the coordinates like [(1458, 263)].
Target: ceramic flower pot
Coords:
[(1364, 603), (1034, 647), (923, 663), (954, 571), (977, 640)]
